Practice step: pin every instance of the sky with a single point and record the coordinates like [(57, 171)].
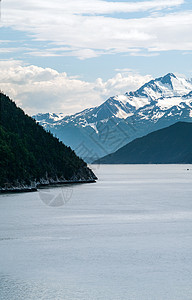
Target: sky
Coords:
[(65, 56)]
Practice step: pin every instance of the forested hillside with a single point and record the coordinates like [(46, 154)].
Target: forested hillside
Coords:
[(171, 145), (28, 153)]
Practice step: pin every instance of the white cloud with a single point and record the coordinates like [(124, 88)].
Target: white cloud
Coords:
[(149, 54), (65, 23), (38, 89), (91, 7), (125, 70)]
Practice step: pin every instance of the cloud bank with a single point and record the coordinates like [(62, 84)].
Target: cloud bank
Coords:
[(38, 89), (91, 28)]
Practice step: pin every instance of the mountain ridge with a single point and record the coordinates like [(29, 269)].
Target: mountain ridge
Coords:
[(120, 119), (170, 145)]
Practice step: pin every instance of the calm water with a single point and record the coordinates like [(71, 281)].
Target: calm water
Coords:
[(127, 237)]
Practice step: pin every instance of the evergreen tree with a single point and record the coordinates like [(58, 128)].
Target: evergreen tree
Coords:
[(28, 152)]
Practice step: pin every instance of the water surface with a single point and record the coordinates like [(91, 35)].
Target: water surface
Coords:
[(127, 237)]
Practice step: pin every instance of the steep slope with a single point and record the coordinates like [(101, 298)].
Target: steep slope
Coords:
[(101, 130), (165, 146), (30, 156)]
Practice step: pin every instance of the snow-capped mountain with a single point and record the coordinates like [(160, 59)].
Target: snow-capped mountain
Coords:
[(101, 130)]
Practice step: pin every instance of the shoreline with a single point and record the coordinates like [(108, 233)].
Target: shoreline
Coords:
[(29, 189)]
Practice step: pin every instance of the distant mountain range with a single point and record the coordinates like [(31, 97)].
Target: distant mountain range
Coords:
[(99, 131), (171, 145), (30, 156)]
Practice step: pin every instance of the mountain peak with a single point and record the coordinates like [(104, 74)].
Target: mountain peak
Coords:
[(167, 86), (167, 79), (169, 75), (102, 129)]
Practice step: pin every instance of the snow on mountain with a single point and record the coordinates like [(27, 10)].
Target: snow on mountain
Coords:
[(167, 86), (100, 130), (49, 118)]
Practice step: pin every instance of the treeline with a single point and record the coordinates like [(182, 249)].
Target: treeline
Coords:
[(28, 152)]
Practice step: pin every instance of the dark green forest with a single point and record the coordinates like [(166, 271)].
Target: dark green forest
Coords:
[(28, 152), (170, 145)]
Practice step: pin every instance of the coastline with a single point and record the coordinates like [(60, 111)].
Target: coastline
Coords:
[(35, 187)]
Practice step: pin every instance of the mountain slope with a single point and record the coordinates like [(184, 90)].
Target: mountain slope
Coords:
[(165, 146), (29, 154), (101, 130)]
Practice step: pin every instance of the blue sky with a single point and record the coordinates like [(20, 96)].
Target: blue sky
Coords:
[(70, 55)]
